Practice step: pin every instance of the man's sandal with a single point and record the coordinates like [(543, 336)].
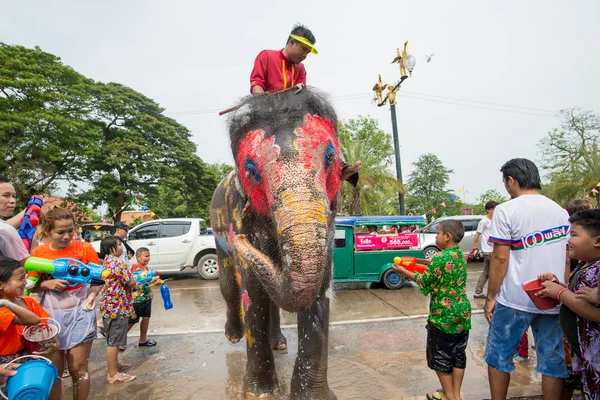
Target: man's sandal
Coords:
[(147, 343), (123, 378), (436, 395)]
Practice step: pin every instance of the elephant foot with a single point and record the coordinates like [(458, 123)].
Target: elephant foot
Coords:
[(234, 332), (278, 342), (260, 392)]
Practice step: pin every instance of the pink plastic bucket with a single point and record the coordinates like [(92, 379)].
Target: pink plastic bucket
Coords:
[(542, 303), (39, 337)]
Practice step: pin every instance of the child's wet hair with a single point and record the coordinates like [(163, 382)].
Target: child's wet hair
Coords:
[(577, 205), (7, 267), (454, 228), (49, 219), (589, 220), (107, 245), (141, 251)]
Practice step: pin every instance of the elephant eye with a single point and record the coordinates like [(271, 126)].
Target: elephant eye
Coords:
[(329, 156), (252, 171)]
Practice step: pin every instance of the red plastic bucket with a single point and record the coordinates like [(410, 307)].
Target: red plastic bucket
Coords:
[(39, 337), (542, 303)]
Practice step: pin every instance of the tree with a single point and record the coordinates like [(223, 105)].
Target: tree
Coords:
[(376, 192), (144, 154), (44, 132), (479, 208), (427, 188), (571, 155)]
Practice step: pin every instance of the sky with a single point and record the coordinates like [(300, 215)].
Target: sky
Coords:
[(501, 71)]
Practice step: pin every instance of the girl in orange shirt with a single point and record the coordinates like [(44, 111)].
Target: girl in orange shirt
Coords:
[(66, 303), (16, 311)]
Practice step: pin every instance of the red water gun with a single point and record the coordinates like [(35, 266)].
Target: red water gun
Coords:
[(30, 220), (412, 263)]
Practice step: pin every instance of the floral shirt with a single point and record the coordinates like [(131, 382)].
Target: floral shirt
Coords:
[(446, 280), (143, 293), (117, 300), (588, 333)]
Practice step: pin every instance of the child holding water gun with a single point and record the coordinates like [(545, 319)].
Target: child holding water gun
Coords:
[(449, 319), (580, 311), (66, 303), (16, 311), (142, 299), (116, 307)]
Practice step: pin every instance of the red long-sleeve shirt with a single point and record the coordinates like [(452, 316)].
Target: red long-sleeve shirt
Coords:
[(273, 72)]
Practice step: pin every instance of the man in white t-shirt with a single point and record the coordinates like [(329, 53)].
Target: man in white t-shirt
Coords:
[(11, 244), (483, 230), (529, 234)]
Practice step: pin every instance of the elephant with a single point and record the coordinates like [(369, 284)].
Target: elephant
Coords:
[(273, 221)]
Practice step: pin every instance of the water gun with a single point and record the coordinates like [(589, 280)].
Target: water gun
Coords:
[(472, 254), (30, 220), (69, 269), (144, 277), (412, 263)]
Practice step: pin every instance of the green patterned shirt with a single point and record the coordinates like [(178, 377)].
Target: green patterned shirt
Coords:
[(446, 280)]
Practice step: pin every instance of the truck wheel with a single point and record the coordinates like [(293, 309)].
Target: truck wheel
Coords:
[(207, 266), (392, 280)]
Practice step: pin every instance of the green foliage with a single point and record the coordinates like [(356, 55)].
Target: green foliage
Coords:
[(377, 190), (571, 155), (57, 124), (428, 188), (44, 132), (479, 208)]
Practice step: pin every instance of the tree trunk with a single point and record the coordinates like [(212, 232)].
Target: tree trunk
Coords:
[(355, 204)]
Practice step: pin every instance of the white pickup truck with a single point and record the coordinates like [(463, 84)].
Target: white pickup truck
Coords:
[(176, 244)]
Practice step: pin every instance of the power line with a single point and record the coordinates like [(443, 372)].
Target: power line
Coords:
[(420, 96), (475, 106)]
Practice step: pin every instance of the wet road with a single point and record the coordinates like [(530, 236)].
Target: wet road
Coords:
[(376, 349)]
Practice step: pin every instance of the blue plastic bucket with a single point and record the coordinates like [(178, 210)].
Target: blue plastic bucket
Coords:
[(34, 380)]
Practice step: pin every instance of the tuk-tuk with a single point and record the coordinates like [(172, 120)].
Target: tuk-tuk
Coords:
[(96, 231), (365, 247)]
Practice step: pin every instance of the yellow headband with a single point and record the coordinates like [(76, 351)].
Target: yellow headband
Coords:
[(304, 41)]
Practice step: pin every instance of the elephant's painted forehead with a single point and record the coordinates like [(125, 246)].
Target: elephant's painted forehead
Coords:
[(261, 157)]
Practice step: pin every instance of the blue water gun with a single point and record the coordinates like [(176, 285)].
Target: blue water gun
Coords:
[(30, 220), (145, 277), (68, 269)]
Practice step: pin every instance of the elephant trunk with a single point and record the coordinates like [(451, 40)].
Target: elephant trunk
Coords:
[(303, 235)]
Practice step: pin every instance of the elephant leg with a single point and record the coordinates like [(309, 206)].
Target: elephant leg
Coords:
[(230, 288), (278, 341), (260, 379), (309, 380)]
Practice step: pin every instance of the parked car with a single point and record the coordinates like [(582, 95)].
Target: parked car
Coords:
[(365, 247), (176, 244), (470, 223)]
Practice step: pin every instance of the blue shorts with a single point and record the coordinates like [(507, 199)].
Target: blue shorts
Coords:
[(507, 328)]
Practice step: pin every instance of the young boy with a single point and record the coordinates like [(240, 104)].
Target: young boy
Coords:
[(449, 318), (116, 307), (142, 300), (580, 313)]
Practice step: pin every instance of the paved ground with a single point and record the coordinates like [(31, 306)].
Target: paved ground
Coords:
[(376, 349)]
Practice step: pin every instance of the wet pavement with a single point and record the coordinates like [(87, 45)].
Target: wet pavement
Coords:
[(376, 349)]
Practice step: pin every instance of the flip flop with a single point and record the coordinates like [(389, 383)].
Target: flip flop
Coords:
[(122, 348), (66, 373), (436, 395), (123, 367), (123, 378), (147, 343)]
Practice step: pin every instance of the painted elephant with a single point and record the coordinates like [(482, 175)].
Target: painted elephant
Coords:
[(273, 221)]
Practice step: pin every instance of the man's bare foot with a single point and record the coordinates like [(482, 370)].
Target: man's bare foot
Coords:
[(349, 171)]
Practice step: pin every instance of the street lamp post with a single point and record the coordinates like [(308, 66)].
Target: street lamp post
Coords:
[(407, 63)]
